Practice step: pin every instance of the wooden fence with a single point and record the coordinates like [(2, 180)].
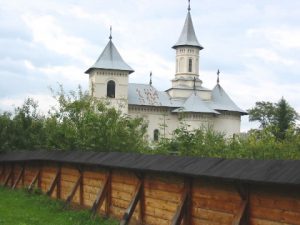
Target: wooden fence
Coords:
[(139, 197)]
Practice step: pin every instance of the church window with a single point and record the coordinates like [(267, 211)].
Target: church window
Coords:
[(190, 65), (181, 64), (155, 135), (111, 89)]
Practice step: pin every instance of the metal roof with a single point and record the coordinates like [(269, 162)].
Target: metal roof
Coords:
[(195, 104), (254, 171), (147, 95), (188, 36), (110, 59), (221, 101)]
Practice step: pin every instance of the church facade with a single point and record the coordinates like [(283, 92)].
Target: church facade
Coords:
[(186, 101)]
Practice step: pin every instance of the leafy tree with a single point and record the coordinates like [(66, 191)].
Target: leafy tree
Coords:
[(279, 117), (263, 112)]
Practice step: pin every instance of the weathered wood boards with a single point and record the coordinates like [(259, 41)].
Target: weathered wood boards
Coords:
[(158, 199)]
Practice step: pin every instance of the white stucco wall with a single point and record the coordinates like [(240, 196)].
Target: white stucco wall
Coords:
[(98, 87), (166, 122)]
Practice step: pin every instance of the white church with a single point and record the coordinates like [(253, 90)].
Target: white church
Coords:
[(186, 101)]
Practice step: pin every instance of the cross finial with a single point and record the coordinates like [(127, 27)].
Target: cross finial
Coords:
[(110, 31), (218, 79), (189, 7), (150, 82)]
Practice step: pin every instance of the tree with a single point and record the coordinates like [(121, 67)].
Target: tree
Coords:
[(263, 112), (284, 118), (277, 117)]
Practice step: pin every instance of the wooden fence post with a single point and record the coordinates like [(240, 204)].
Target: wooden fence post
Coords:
[(136, 197), (101, 194), (242, 217), (2, 172), (55, 183), (21, 174), (183, 211), (74, 189), (34, 180)]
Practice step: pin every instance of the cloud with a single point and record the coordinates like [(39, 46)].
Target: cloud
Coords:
[(280, 37)]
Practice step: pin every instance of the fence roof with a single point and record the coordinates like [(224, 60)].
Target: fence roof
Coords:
[(245, 170)]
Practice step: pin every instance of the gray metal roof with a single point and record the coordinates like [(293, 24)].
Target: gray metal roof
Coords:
[(147, 95), (221, 101), (188, 36), (110, 59), (195, 104)]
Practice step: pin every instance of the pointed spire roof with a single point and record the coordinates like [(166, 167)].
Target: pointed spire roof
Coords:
[(195, 104), (110, 59), (221, 101), (188, 36)]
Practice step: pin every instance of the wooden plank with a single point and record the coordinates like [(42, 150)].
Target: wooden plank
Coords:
[(2, 172), (237, 220), (177, 219), (108, 196), (241, 217), (21, 174), (136, 197), (34, 180), (101, 194), (74, 189), (55, 183), (188, 206), (8, 177)]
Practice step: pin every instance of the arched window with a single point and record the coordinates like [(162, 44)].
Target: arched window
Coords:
[(111, 89), (156, 135), (190, 65)]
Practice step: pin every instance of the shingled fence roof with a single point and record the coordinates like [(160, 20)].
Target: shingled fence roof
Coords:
[(243, 170)]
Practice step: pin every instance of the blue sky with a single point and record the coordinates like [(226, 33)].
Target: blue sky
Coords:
[(254, 43)]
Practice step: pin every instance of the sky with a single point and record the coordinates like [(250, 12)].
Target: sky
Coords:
[(254, 43)]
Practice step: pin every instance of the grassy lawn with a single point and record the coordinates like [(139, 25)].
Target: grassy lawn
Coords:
[(20, 208)]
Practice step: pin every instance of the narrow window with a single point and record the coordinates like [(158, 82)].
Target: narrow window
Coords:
[(155, 135), (190, 65), (111, 88)]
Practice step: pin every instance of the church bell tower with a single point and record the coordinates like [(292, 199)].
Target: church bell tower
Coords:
[(108, 77), (187, 61)]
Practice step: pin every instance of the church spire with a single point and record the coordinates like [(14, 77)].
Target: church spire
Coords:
[(188, 36), (218, 74)]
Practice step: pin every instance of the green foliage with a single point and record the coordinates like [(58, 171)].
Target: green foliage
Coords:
[(20, 208), (277, 117), (257, 144), (263, 112), (79, 122)]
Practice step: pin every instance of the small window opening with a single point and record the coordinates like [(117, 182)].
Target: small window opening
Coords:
[(156, 135), (190, 65), (111, 88)]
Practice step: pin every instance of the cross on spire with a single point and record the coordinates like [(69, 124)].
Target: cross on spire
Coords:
[(189, 7), (150, 82), (110, 31), (218, 79)]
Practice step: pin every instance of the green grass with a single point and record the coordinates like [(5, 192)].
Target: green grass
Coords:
[(21, 208)]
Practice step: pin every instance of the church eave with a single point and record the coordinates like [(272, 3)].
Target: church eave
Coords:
[(112, 69)]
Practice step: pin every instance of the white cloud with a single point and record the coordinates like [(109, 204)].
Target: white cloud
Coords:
[(268, 55), (47, 31), (283, 37)]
